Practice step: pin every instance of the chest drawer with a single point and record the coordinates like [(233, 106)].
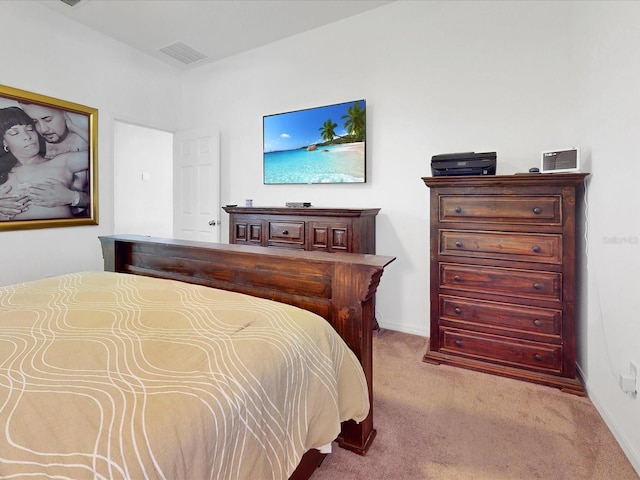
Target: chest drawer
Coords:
[(501, 281), (516, 353), (545, 248), (286, 232), (502, 318), (543, 209)]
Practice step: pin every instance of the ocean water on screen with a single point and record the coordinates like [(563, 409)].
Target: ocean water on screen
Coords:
[(329, 164)]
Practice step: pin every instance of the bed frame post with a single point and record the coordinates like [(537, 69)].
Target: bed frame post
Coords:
[(353, 314)]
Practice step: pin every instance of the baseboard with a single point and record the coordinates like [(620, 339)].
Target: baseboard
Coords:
[(422, 332)]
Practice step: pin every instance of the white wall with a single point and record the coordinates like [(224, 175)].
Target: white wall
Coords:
[(514, 77), (55, 57), (610, 123), (438, 77)]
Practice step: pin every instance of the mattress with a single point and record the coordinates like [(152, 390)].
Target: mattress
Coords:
[(110, 375)]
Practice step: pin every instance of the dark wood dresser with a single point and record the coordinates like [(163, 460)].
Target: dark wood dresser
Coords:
[(503, 275), (349, 230)]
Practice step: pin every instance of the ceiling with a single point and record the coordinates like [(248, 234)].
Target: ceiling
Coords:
[(196, 32)]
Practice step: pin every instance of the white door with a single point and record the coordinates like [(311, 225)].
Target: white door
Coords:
[(196, 188)]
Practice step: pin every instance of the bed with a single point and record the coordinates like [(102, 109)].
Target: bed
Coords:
[(128, 373)]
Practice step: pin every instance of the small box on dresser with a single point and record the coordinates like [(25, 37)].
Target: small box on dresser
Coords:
[(503, 276)]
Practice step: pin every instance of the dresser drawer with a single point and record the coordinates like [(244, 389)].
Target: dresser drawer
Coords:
[(544, 248), (501, 281), (506, 351), (291, 233), (332, 237), (514, 209), (504, 318), (247, 232), (345, 230)]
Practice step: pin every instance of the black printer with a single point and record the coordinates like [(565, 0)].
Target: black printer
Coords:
[(465, 163)]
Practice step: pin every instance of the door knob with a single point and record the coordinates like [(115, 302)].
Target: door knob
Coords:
[(213, 223)]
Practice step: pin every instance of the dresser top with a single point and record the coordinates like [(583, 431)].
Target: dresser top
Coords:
[(528, 179), (306, 211)]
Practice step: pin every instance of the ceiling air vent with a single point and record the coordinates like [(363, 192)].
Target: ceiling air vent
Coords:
[(71, 3), (183, 53)]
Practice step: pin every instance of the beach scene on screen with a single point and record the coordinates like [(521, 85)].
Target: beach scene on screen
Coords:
[(317, 145)]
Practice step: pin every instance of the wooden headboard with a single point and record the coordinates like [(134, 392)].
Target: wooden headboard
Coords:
[(337, 286)]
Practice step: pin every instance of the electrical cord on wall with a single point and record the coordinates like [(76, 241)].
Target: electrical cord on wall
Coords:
[(595, 282)]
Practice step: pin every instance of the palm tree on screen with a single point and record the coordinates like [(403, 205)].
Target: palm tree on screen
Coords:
[(327, 130), (355, 122)]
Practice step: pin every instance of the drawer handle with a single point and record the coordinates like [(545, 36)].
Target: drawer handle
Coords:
[(458, 209), (285, 232), (457, 310), (537, 357), (537, 249), (537, 286), (537, 323), (457, 278), (459, 244), (537, 210), (458, 343)]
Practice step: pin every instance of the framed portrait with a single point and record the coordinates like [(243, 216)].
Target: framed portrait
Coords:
[(48, 162)]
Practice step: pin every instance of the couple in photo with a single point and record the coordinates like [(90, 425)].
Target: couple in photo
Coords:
[(44, 164)]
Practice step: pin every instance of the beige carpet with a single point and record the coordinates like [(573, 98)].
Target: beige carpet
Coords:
[(445, 423)]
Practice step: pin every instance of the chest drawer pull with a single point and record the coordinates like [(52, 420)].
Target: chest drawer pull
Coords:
[(457, 278), (458, 343), (457, 209), (537, 357), (285, 232), (458, 310), (459, 244), (537, 286), (536, 249), (537, 322), (537, 210)]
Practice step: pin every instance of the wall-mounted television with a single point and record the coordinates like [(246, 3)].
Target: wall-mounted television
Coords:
[(316, 145)]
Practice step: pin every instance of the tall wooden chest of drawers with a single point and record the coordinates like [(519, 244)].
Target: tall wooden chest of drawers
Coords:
[(348, 230), (503, 275)]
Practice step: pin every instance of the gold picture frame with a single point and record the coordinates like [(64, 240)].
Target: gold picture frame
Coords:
[(46, 143)]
